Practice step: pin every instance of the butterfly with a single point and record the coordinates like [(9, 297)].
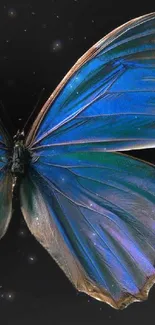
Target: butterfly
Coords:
[(90, 207)]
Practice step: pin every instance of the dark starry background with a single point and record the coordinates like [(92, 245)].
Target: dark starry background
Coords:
[(39, 43)]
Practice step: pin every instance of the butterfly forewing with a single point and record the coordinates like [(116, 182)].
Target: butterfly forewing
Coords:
[(107, 100)]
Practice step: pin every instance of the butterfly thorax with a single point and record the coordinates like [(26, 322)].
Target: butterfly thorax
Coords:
[(20, 155)]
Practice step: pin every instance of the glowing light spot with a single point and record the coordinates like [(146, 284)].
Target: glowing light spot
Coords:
[(9, 296), (22, 233), (12, 13), (56, 46), (32, 259), (37, 219)]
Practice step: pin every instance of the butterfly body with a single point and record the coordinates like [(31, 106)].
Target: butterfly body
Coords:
[(20, 156)]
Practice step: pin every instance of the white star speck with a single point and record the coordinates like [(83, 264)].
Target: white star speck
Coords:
[(32, 259), (12, 13), (56, 46)]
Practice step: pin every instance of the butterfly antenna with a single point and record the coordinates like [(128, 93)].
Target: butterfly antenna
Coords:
[(35, 107)]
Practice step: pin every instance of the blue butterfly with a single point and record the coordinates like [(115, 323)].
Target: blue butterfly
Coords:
[(91, 208)]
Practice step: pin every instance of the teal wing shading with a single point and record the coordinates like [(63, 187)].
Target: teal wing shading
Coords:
[(95, 215), (107, 100), (5, 181)]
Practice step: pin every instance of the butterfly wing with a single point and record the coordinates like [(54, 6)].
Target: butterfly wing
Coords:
[(108, 98), (95, 214), (5, 181), (94, 211), (5, 200)]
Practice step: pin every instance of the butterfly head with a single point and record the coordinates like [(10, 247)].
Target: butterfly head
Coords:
[(19, 136)]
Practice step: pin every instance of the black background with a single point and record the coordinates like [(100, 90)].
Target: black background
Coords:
[(39, 42)]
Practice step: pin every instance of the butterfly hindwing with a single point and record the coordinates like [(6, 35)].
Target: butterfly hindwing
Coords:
[(95, 215), (5, 181), (5, 201)]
